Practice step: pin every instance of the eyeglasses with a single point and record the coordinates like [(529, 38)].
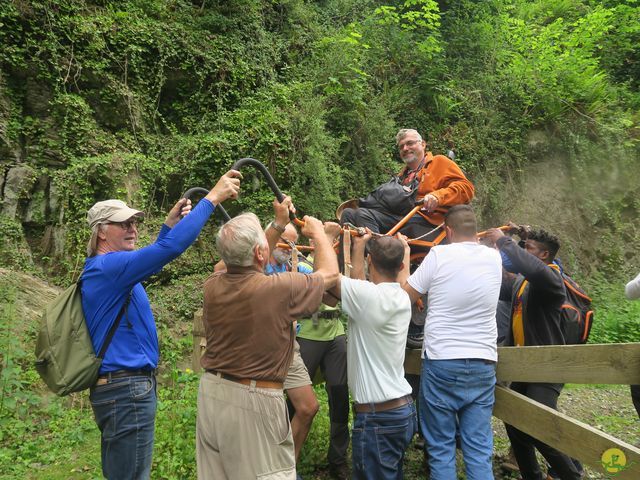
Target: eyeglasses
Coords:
[(408, 143), (126, 225)]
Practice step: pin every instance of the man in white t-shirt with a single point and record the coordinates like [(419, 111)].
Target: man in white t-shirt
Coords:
[(459, 352), (379, 313), (632, 291)]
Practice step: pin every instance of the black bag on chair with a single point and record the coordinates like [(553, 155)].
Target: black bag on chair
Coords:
[(392, 197)]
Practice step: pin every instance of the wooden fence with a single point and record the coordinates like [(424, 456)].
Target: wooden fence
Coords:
[(585, 364)]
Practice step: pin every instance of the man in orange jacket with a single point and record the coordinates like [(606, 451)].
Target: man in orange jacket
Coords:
[(435, 180)]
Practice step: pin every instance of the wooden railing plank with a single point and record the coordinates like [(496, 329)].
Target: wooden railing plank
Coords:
[(570, 436), (617, 363)]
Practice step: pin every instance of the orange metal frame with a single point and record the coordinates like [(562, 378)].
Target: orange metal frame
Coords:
[(418, 243)]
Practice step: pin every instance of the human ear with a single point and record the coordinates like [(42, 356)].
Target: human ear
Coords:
[(449, 232), (258, 255)]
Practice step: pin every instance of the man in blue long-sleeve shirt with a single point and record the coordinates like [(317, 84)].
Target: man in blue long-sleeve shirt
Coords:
[(124, 397)]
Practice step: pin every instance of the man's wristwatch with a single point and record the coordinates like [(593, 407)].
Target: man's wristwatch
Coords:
[(276, 227)]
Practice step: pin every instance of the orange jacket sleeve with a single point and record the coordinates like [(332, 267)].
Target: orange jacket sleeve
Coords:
[(443, 178)]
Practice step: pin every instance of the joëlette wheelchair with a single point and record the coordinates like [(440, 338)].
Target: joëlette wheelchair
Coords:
[(423, 235)]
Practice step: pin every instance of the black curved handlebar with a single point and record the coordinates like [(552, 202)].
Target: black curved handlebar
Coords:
[(192, 191), (267, 175), (237, 166)]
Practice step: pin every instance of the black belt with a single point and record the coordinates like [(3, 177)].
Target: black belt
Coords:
[(382, 406), (127, 373)]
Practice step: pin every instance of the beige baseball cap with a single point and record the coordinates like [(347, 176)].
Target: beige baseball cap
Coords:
[(111, 211)]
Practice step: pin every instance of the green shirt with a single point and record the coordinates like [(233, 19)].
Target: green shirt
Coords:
[(320, 329), (323, 329)]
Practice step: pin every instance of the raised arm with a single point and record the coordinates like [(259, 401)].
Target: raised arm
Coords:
[(403, 275), (538, 273), (357, 255), (130, 268), (180, 209), (420, 282), (227, 186), (325, 261), (281, 219), (414, 295)]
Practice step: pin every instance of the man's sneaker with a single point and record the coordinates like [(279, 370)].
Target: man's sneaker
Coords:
[(552, 475), (339, 471)]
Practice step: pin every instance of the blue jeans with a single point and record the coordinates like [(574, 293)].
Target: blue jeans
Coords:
[(125, 412), (379, 440), (462, 390)]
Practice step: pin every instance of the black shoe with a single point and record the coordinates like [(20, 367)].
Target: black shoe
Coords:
[(339, 471)]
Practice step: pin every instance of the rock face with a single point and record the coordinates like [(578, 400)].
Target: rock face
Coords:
[(18, 182), (29, 297), (28, 198)]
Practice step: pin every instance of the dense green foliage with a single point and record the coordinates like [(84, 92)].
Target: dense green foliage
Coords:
[(142, 99)]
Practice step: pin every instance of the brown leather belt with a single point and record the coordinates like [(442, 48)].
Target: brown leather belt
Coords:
[(107, 377), (248, 381), (382, 406)]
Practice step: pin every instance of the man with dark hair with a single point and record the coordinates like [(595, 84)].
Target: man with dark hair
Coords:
[(379, 312), (459, 351), (542, 244), (537, 294), (386, 256)]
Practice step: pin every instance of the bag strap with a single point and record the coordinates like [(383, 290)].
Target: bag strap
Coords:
[(112, 330)]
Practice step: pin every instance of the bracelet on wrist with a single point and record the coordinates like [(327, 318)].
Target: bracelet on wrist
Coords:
[(276, 227)]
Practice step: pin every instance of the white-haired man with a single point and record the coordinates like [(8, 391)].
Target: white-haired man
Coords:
[(434, 180), (124, 397), (321, 345), (243, 429)]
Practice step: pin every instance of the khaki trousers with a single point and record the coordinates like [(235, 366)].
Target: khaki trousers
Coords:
[(242, 432)]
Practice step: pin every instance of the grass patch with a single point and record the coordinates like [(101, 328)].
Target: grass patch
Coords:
[(617, 319)]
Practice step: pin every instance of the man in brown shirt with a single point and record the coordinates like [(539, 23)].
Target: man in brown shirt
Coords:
[(243, 429)]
